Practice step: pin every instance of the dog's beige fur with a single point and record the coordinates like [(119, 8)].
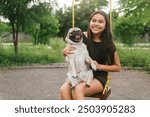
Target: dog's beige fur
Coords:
[(79, 63)]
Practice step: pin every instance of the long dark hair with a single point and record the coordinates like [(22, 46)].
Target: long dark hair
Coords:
[(106, 37)]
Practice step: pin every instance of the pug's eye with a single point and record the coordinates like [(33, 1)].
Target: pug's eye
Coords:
[(71, 36)]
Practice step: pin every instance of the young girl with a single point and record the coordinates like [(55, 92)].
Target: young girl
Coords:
[(102, 50)]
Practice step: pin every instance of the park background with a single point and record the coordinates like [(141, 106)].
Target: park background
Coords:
[(32, 38), (32, 31)]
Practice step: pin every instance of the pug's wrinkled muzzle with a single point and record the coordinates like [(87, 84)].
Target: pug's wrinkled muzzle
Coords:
[(75, 35)]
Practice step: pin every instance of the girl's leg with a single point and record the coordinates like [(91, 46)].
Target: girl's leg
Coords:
[(95, 87), (78, 91), (81, 90), (65, 91)]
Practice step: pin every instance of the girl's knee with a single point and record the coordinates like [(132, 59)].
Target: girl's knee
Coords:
[(61, 89), (65, 91), (79, 88), (78, 92), (64, 88)]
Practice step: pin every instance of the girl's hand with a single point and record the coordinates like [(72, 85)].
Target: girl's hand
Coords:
[(98, 66), (68, 50)]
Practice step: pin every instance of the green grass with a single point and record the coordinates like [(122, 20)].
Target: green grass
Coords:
[(137, 56), (31, 54)]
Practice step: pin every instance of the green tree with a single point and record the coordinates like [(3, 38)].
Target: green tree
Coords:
[(136, 8), (19, 15), (15, 12), (135, 22), (43, 23), (126, 29), (4, 27)]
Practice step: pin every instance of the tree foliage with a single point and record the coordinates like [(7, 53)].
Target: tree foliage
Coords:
[(43, 23), (126, 29), (4, 27), (15, 11), (133, 21), (21, 14), (136, 8)]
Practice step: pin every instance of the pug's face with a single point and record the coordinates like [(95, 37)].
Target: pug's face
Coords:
[(75, 35)]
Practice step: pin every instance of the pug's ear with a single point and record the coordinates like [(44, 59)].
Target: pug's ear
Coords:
[(66, 32), (64, 37), (82, 33)]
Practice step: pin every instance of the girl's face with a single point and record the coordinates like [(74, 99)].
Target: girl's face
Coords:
[(97, 24)]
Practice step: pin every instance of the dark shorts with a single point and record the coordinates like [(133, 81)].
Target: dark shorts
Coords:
[(102, 78)]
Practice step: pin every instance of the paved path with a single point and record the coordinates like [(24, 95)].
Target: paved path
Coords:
[(43, 83)]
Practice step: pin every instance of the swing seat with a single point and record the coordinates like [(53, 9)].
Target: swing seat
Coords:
[(105, 93)]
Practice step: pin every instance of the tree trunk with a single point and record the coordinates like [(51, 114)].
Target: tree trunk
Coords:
[(15, 37)]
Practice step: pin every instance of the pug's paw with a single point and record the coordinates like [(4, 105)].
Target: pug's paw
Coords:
[(93, 66), (74, 75)]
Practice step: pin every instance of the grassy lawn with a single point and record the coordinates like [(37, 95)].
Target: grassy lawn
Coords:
[(136, 56), (32, 54)]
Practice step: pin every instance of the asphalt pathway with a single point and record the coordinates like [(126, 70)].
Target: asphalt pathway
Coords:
[(43, 83)]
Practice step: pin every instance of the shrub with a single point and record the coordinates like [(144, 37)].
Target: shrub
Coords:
[(41, 54), (31, 54), (134, 58)]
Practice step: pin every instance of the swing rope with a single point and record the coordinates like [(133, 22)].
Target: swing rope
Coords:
[(108, 76), (110, 15), (73, 14)]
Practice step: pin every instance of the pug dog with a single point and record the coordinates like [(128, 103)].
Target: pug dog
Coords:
[(79, 63)]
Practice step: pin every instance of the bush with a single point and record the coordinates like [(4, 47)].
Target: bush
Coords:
[(134, 58), (41, 54), (126, 29), (30, 54)]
